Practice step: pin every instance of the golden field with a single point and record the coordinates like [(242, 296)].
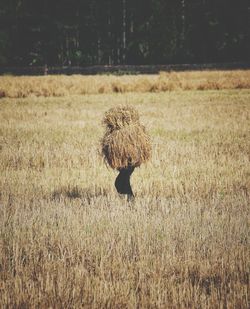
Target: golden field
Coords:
[(67, 240), (61, 85)]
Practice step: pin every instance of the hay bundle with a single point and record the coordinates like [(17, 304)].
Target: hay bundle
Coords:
[(125, 142)]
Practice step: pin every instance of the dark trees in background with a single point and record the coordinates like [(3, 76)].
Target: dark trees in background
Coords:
[(88, 32)]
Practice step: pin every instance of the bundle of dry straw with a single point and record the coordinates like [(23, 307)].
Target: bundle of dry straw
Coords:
[(125, 142)]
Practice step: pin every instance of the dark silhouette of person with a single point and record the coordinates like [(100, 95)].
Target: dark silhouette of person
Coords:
[(122, 182)]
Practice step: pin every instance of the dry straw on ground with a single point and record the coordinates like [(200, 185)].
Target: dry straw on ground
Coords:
[(125, 142), (61, 85)]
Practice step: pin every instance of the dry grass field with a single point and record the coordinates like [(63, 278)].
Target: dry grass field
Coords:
[(61, 85), (67, 240)]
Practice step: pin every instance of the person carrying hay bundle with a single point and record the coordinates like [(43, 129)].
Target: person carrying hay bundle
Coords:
[(125, 145)]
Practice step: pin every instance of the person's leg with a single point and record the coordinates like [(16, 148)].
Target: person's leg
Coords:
[(122, 182)]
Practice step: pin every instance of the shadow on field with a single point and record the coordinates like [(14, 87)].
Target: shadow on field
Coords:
[(79, 193)]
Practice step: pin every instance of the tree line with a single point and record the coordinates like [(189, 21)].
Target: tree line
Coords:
[(111, 32)]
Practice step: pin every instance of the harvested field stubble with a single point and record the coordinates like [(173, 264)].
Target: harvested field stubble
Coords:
[(68, 241), (21, 87)]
